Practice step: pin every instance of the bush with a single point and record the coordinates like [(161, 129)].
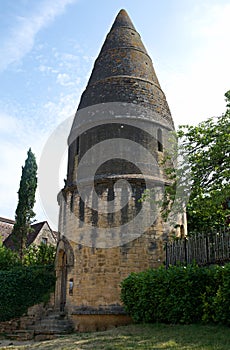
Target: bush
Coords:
[(23, 287), (8, 258), (178, 295), (221, 299)]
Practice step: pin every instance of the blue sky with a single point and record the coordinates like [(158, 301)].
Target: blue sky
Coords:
[(47, 52)]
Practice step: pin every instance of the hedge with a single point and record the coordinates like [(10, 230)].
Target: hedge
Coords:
[(23, 287), (178, 295)]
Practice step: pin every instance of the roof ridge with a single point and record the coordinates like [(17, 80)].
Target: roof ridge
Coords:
[(6, 220)]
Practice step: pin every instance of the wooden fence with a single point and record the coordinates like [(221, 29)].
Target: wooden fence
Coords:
[(202, 249)]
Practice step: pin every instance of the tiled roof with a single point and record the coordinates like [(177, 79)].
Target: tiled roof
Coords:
[(6, 226), (8, 221)]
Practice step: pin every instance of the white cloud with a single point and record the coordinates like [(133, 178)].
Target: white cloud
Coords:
[(22, 36), (8, 124), (64, 80), (46, 69)]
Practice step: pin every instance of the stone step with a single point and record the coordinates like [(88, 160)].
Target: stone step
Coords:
[(55, 323), (53, 328), (21, 335)]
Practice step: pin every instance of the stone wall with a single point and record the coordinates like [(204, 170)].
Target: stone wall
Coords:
[(34, 313), (97, 322), (97, 272)]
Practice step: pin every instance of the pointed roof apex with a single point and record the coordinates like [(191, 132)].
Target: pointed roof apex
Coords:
[(123, 72), (123, 20)]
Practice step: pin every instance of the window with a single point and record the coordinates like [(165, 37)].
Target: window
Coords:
[(77, 145), (110, 194), (71, 286), (44, 240), (110, 216), (159, 140), (81, 212), (72, 202)]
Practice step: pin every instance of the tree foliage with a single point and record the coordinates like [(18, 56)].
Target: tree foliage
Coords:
[(26, 200), (203, 173), (42, 254)]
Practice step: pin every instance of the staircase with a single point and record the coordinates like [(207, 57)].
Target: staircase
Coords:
[(51, 326)]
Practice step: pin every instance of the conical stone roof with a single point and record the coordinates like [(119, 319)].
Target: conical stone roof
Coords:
[(123, 72)]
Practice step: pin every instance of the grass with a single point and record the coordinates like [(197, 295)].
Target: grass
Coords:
[(148, 337)]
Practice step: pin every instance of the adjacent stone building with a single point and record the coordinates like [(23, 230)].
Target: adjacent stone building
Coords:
[(40, 233), (119, 136)]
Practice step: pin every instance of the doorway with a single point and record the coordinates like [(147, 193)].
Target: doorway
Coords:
[(63, 282)]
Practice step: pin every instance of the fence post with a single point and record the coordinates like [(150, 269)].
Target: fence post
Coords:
[(166, 256), (207, 247), (185, 251)]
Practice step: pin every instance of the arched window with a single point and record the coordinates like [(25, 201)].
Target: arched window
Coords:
[(159, 140)]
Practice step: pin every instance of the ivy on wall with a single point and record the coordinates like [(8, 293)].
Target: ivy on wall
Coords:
[(23, 287)]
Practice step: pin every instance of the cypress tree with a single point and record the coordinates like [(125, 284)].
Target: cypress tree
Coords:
[(26, 199)]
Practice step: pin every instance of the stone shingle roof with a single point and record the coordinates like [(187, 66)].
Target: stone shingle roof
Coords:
[(123, 72)]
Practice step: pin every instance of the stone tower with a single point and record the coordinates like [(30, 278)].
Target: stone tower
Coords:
[(118, 137)]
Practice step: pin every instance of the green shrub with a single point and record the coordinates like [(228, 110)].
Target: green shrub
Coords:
[(23, 287), (221, 300), (209, 309), (178, 295), (8, 258)]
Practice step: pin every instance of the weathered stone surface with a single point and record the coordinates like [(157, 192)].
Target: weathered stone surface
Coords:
[(124, 72), (21, 335), (90, 266), (92, 323)]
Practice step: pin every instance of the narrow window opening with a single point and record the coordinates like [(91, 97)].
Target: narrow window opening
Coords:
[(138, 204), (77, 146), (72, 202), (71, 286), (81, 212), (159, 140), (124, 210), (94, 212), (110, 197)]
